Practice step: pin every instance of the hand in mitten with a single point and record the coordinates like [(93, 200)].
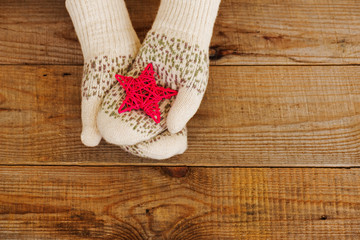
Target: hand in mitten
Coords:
[(177, 46), (109, 45)]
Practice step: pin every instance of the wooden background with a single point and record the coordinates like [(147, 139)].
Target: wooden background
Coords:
[(274, 150)]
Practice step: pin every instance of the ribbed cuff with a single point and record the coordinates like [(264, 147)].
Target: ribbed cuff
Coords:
[(189, 20), (103, 27)]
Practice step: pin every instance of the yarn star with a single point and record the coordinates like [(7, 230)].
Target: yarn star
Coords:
[(143, 93)]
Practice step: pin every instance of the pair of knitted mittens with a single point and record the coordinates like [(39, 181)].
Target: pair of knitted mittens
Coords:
[(177, 46)]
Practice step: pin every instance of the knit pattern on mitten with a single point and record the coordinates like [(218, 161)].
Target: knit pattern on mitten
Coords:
[(177, 64), (177, 46), (99, 74), (109, 44)]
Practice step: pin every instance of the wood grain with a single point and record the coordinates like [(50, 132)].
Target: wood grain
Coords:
[(250, 116), (247, 32), (205, 203), (264, 116)]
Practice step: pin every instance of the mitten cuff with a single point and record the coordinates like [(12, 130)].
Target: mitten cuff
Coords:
[(103, 27), (189, 20)]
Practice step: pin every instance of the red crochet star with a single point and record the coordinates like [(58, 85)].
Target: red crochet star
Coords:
[(143, 93)]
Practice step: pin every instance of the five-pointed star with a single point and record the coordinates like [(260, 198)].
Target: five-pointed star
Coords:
[(143, 93)]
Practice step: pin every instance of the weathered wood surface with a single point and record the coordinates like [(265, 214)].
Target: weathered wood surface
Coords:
[(247, 32), (250, 116), (186, 203)]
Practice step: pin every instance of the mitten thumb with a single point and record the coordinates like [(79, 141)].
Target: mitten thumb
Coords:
[(185, 106), (90, 135)]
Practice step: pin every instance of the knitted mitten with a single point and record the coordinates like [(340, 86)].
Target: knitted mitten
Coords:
[(109, 44), (177, 46)]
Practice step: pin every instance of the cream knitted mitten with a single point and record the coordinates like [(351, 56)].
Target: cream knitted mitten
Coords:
[(109, 44), (177, 46)]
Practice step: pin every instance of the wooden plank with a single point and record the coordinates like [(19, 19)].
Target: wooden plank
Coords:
[(247, 32), (250, 116), (186, 203), (33, 32)]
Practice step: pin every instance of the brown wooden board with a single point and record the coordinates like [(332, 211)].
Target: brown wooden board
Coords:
[(250, 116), (247, 32), (181, 203)]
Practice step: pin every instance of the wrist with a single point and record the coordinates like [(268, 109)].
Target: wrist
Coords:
[(103, 27), (188, 20)]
